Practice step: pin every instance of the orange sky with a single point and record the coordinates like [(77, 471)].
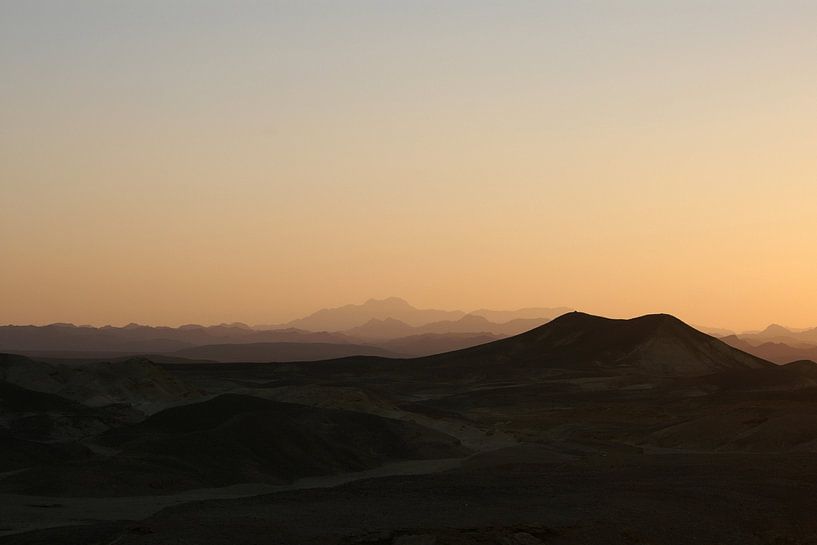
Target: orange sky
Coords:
[(221, 161)]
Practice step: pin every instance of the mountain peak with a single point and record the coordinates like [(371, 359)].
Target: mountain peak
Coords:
[(776, 329)]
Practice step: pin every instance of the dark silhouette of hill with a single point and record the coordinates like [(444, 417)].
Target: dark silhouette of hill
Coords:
[(272, 352), (236, 439), (776, 352), (137, 382), (39, 428), (795, 375), (657, 344)]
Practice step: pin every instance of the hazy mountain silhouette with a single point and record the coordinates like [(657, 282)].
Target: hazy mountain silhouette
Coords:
[(349, 316), (390, 328), (773, 351), (353, 316), (778, 333)]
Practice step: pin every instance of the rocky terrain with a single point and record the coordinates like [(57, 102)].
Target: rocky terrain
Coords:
[(584, 430)]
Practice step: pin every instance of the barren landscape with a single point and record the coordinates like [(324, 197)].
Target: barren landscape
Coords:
[(584, 429)]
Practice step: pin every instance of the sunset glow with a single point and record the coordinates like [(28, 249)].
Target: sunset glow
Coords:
[(205, 162)]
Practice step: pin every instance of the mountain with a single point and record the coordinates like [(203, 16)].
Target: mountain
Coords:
[(773, 351), (373, 320), (656, 344), (280, 352), (349, 316)]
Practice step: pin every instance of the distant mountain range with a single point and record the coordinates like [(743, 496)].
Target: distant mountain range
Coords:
[(780, 334), (773, 351), (352, 316), (377, 327), (389, 327)]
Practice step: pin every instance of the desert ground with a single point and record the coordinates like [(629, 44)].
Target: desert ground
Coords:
[(584, 430)]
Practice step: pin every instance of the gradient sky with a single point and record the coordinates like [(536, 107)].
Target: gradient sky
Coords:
[(195, 161)]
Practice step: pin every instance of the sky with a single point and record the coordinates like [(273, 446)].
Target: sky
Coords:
[(172, 161)]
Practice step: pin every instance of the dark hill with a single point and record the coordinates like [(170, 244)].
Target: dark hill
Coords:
[(238, 439), (656, 344)]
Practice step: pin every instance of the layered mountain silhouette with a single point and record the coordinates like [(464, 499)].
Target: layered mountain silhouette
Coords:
[(349, 316), (778, 334), (776, 352), (390, 328), (352, 316), (372, 323)]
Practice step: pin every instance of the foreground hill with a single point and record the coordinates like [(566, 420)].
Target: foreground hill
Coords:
[(236, 439), (137, 382)]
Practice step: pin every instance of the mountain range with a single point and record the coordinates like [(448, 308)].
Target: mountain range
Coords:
[(386, 327), (376, 327), (347, 317)]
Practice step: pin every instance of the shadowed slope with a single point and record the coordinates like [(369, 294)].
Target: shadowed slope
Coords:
[(237, 439)]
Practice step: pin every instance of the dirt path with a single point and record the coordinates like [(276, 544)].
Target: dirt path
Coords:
[(20, 513)]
